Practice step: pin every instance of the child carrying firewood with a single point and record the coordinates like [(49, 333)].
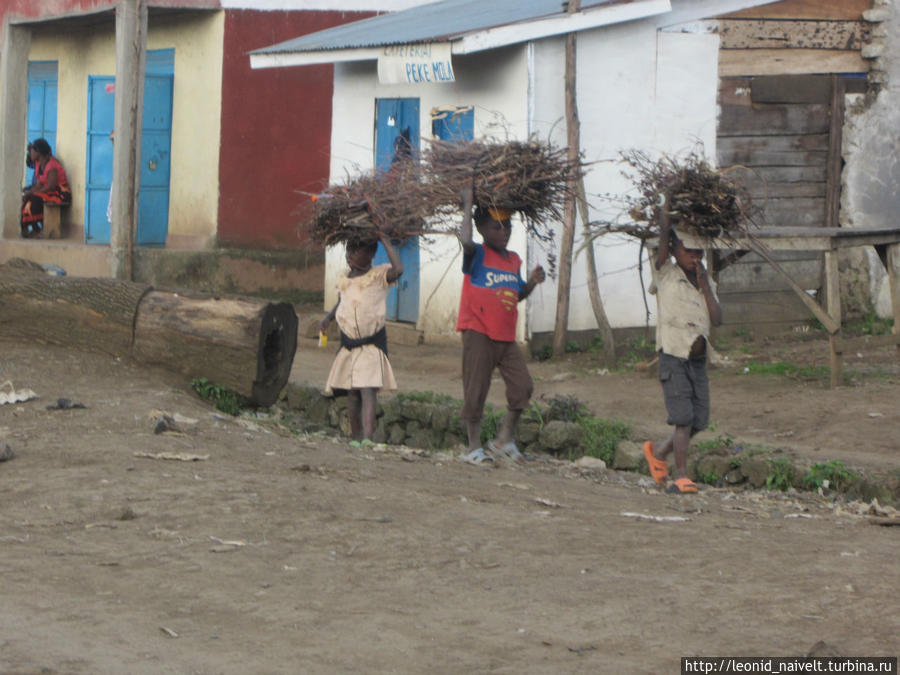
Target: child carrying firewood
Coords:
[(488, 309), (686, 307), (361, 366)]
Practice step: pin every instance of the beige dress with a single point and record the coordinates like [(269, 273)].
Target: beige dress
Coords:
[(361, 313)]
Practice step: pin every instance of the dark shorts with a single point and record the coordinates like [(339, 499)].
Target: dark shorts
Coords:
[(686, 390), (481, 355)]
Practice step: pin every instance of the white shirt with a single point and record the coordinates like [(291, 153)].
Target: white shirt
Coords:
[(681, 308)]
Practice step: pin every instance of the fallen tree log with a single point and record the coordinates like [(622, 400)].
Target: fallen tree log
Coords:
[(242, 344), (246, 345), (85, 313)]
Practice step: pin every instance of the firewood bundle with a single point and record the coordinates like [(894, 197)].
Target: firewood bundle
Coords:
[(422, 197), (351, 211), (700, 200), (531, 177)]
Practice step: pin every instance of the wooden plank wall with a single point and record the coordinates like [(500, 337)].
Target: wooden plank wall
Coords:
[(776, 68)]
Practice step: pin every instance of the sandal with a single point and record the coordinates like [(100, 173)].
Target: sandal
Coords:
[(478, 456), (507, 451), (659, 470), (682, 486)]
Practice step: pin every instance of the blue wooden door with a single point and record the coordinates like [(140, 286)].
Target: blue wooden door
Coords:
[(42, 94), (156, 161), (397, 121), (156, 135), (101, 111)]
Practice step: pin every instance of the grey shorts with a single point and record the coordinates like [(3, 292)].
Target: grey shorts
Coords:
[(686, 390)]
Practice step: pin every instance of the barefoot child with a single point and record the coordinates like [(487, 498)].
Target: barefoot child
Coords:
[(361, 365), (492, 290), (686, 307)]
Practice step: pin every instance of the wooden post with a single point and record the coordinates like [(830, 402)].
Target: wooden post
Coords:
[(568, 230), (131, 47), (609, 339), (13, 125), (893, 271), (833, 299), (835, 161)]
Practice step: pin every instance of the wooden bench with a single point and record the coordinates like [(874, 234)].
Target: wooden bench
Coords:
[(52, 221)]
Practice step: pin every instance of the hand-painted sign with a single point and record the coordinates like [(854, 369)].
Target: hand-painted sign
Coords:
[(415, 64)]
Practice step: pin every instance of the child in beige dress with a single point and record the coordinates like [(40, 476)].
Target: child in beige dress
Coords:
[(361, 366)]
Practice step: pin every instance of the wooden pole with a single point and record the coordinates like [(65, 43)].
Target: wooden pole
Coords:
[(568, 230), (13, 125), (833, 298), (131, 48), (609, 340)]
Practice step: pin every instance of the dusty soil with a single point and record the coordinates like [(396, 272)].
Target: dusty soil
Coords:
[(387, 560)]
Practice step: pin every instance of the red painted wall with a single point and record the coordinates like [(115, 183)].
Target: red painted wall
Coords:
[(276, 129)]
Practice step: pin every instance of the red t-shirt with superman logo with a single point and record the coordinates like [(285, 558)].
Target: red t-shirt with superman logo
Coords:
[(490, 294)]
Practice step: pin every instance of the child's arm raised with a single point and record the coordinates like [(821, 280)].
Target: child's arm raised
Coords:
[(465, 227), (396, 266), (537, 277), (712, 304)]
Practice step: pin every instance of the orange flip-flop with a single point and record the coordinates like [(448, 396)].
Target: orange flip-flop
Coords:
[(659, 470), (682, 486)]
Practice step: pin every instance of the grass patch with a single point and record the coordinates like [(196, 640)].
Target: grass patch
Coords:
[(428, 397), (785, 369), (781, 474), (601, 436), (225, 400), (832, 474)]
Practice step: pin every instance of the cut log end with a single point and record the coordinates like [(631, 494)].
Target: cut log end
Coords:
[(277, 345)]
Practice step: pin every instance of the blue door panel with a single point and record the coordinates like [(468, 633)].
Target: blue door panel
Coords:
[(101, 116), (395, 117), (153, 202), (153, 215)]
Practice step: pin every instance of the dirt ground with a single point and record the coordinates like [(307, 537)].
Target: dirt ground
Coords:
[(285, 553)]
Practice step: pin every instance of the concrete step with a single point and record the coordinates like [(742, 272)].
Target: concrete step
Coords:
[(404, 334)]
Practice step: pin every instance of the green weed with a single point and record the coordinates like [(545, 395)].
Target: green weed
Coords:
[(709, 477), (545, 353), (834, 471), (601, 436), (224, 400), (785, 369), (565, 408), (781, 476), (428, 397), (721, 441), (490, 423), (572, 347)]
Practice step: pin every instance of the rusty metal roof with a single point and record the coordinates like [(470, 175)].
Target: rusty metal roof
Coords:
[(435, 22)]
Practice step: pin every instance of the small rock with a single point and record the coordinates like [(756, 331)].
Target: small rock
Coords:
[(6, 452), (628, 457), (590, 463)]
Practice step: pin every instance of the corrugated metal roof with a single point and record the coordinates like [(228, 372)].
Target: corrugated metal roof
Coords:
[(437, 21)]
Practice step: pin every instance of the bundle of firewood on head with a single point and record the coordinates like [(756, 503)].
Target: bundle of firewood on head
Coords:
[(531, 177), (701, 201), (350, 212)]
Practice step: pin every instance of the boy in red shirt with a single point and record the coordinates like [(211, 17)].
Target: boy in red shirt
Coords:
[(488, 310)]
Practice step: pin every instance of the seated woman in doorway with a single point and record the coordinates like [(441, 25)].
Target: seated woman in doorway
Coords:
[(50, 186)]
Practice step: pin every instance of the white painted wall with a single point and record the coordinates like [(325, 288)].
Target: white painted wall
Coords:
[(637, 88), (496, 84)]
